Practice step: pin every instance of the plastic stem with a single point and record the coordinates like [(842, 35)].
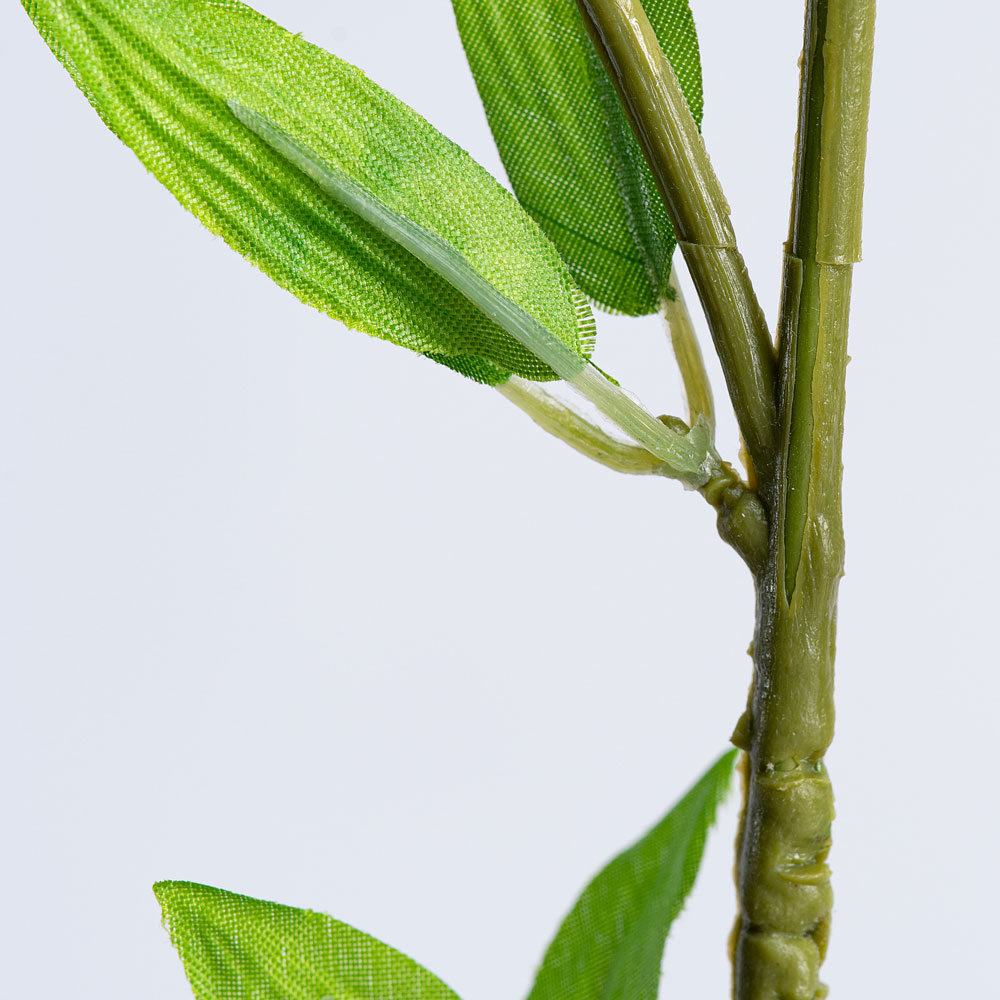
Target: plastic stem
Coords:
[(673, 147), (559, 420), (684, 341), (783, 879)]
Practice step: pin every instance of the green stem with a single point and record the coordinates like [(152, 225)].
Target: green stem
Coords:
[(742, 517), (669, 137), (784, 883), (684, 342), (742, 520), (555, 417)]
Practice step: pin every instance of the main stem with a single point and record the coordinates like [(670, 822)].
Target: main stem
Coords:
[(782, 876)]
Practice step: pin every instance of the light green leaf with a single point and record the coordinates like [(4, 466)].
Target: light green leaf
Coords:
[(238, 948), (610, 947), (568, 148), (683, 456), (159, 72)]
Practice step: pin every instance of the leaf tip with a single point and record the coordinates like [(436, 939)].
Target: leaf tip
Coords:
[(176, 896), (162, 890)]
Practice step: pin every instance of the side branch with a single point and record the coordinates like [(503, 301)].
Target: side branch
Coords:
[(672, 145), (742, 519)]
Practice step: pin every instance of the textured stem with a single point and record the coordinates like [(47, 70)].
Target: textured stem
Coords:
[(784, 883), (673, 147)]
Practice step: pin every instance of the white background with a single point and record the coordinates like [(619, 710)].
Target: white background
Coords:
[(293, 612)]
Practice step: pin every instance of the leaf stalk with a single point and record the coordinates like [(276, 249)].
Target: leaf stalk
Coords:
[(684, 342), (564, 423)]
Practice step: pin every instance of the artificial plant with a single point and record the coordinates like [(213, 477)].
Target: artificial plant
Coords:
[(346, 197)]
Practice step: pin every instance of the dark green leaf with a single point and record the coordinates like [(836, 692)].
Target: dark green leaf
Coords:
[(567, 145)]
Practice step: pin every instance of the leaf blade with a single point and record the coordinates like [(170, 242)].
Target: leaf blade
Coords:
[(610, 945), (236, 947), (159, 74), (566, 144), (683, 455)]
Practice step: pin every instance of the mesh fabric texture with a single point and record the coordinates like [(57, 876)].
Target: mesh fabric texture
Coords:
[(238, 948), (159, 73), (567, 145), (609, 947)]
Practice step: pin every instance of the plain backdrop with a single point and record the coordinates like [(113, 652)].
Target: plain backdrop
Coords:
[(294, 612)]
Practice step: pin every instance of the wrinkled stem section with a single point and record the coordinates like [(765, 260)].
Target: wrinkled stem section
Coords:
[(783, 879), (673, 147)]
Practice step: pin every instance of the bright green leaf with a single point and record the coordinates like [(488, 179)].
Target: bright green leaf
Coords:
[(238, 948), (610, 947), (567, 145), (682, 456), (159, 72)]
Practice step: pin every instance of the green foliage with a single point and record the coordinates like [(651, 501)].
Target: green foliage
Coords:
[(683, 453), (238, 948), (610, 946), (567, 145), (346, 197), (426, 245), (160, 74)]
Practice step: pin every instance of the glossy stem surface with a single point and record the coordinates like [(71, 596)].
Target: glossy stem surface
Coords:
[(673, 147), (783, 879)]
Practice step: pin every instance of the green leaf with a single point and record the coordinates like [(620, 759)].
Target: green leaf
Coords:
[(238, 948), (683, 455), (568, 148), (610, 947), (159, 72)]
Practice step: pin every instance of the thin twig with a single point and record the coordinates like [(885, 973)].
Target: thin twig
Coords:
[(555, 417), (684, 341)]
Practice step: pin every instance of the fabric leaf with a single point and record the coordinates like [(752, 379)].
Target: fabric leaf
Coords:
[(566, 144), (683, 454), (159, 72), (610, 946), (238, 948)]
